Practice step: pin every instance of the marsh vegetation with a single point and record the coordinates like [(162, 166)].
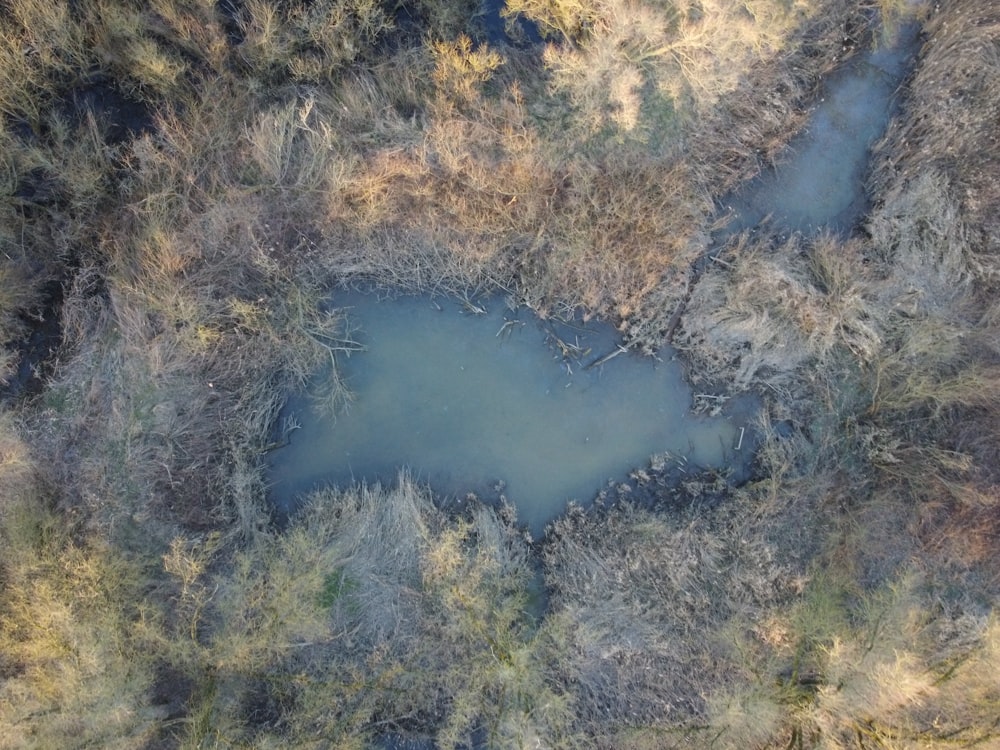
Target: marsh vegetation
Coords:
[(195, 178)]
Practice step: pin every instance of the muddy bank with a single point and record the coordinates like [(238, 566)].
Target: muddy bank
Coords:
[(35, 350)]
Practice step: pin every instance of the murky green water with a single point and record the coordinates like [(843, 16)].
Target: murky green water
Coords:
[(472, 402)]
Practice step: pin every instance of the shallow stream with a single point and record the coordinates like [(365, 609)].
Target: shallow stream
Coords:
[(489, 403), (819, 181)]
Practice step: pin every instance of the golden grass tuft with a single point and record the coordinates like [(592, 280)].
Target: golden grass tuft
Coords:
[(768, 307), (887, 679), (73, 670), (691, 56), (307, 42)]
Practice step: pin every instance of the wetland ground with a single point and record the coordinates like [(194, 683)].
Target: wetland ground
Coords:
[(477, 398), (234, 163)]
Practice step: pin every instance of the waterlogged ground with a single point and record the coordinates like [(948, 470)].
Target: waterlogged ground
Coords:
[(469, 401)]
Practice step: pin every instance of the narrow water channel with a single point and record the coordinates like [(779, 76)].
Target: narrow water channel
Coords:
[(488, 403), (818, 183)]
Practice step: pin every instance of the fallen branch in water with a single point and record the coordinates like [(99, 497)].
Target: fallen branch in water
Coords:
[(608, 357), (568, 351), (471, 307), (332, 344)]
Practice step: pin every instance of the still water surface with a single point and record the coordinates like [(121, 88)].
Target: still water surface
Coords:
[(468, 402), (819, 181)]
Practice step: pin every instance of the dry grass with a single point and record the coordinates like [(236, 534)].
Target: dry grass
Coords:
[(935, 383), (894, 338), (669, 626), (767, 308), (375, 610), (497, 184), (926, 430), (949, 129), (324, 149), (149, 49)]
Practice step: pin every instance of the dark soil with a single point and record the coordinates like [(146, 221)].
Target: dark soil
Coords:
[(38, 349)]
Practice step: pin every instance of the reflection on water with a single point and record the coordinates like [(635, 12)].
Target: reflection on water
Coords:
[(476, 402)]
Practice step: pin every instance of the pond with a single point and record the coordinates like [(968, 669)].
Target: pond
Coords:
[(497, 401)]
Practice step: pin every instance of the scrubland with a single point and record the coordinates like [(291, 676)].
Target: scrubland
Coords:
[(196, 178)]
